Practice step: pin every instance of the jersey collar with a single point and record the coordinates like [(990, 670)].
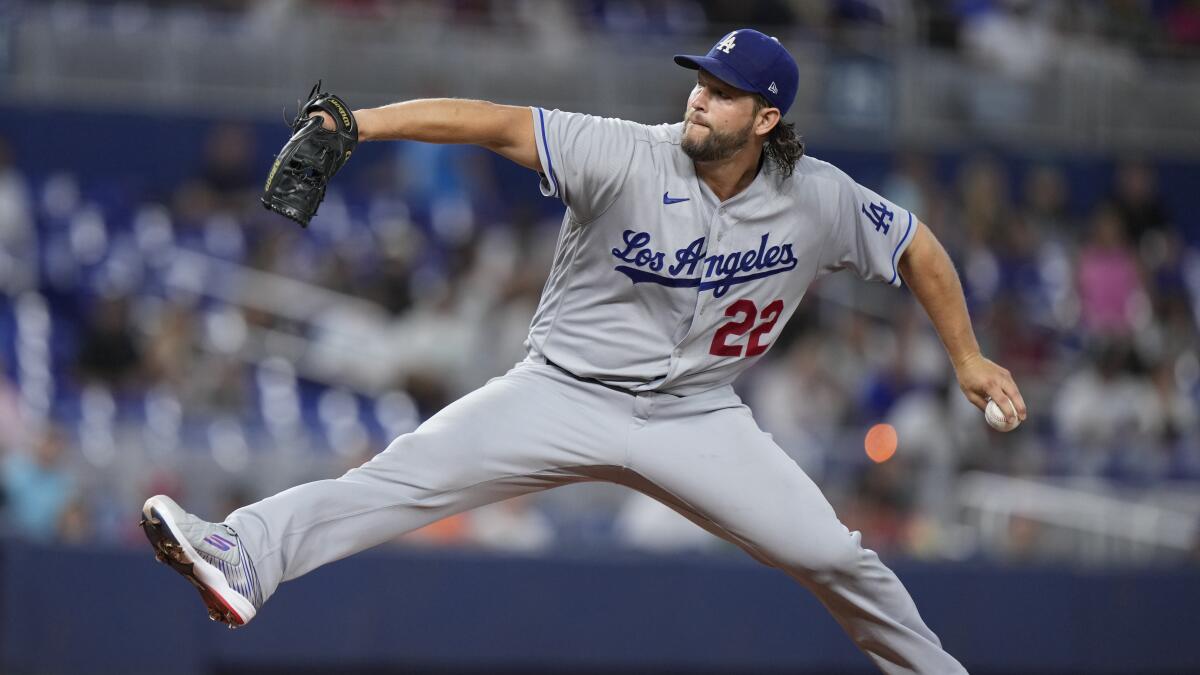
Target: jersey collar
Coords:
[(743, 203)]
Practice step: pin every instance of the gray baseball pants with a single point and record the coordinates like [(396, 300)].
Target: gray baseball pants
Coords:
[(538, 427)]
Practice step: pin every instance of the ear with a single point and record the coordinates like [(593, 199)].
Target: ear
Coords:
[(766, 120)]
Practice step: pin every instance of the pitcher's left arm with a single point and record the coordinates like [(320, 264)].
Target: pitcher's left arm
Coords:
[(928, 271)]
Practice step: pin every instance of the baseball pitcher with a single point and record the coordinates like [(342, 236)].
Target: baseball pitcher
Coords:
[(683, 251)]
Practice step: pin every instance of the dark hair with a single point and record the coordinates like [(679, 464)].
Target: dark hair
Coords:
[(783, 146)]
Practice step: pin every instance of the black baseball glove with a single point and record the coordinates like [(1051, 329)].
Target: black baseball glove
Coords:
[(296, 184)]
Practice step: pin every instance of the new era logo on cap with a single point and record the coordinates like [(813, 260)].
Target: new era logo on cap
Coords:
[(751, 61)]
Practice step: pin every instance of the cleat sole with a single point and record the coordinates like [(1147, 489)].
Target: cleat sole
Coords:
[(168, 551)]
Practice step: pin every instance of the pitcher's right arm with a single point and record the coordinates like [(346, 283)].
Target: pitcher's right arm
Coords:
[(504, 129)]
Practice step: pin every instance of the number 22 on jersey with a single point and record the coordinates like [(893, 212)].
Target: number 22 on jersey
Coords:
[(745, 314)]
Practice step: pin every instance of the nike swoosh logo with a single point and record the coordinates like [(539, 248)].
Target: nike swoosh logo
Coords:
[(674, 200)]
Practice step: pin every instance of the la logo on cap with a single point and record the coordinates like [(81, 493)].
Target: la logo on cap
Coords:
[(773, 89), (727, 44)]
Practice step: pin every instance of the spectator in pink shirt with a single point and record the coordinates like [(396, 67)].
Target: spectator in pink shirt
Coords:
[(1108, 278)]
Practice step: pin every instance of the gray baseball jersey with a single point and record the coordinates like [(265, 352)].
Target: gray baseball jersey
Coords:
[(664, 294), (659, 286)]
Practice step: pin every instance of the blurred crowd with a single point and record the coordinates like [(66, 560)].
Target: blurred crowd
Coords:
[(1016, 35), (193, 343)]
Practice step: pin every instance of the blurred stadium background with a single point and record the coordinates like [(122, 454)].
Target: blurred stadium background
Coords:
[(161, 332)]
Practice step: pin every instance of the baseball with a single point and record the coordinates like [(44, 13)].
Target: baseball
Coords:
[(995, 417)]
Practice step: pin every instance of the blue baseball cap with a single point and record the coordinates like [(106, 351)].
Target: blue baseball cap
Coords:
[(753, 62)]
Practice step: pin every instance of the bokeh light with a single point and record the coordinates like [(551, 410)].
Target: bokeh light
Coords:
[(880, 442)]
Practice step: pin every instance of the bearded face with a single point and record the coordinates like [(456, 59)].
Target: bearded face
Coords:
[(710, 145)]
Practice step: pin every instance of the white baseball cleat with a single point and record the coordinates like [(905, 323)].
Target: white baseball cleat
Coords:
[(209, 555)]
